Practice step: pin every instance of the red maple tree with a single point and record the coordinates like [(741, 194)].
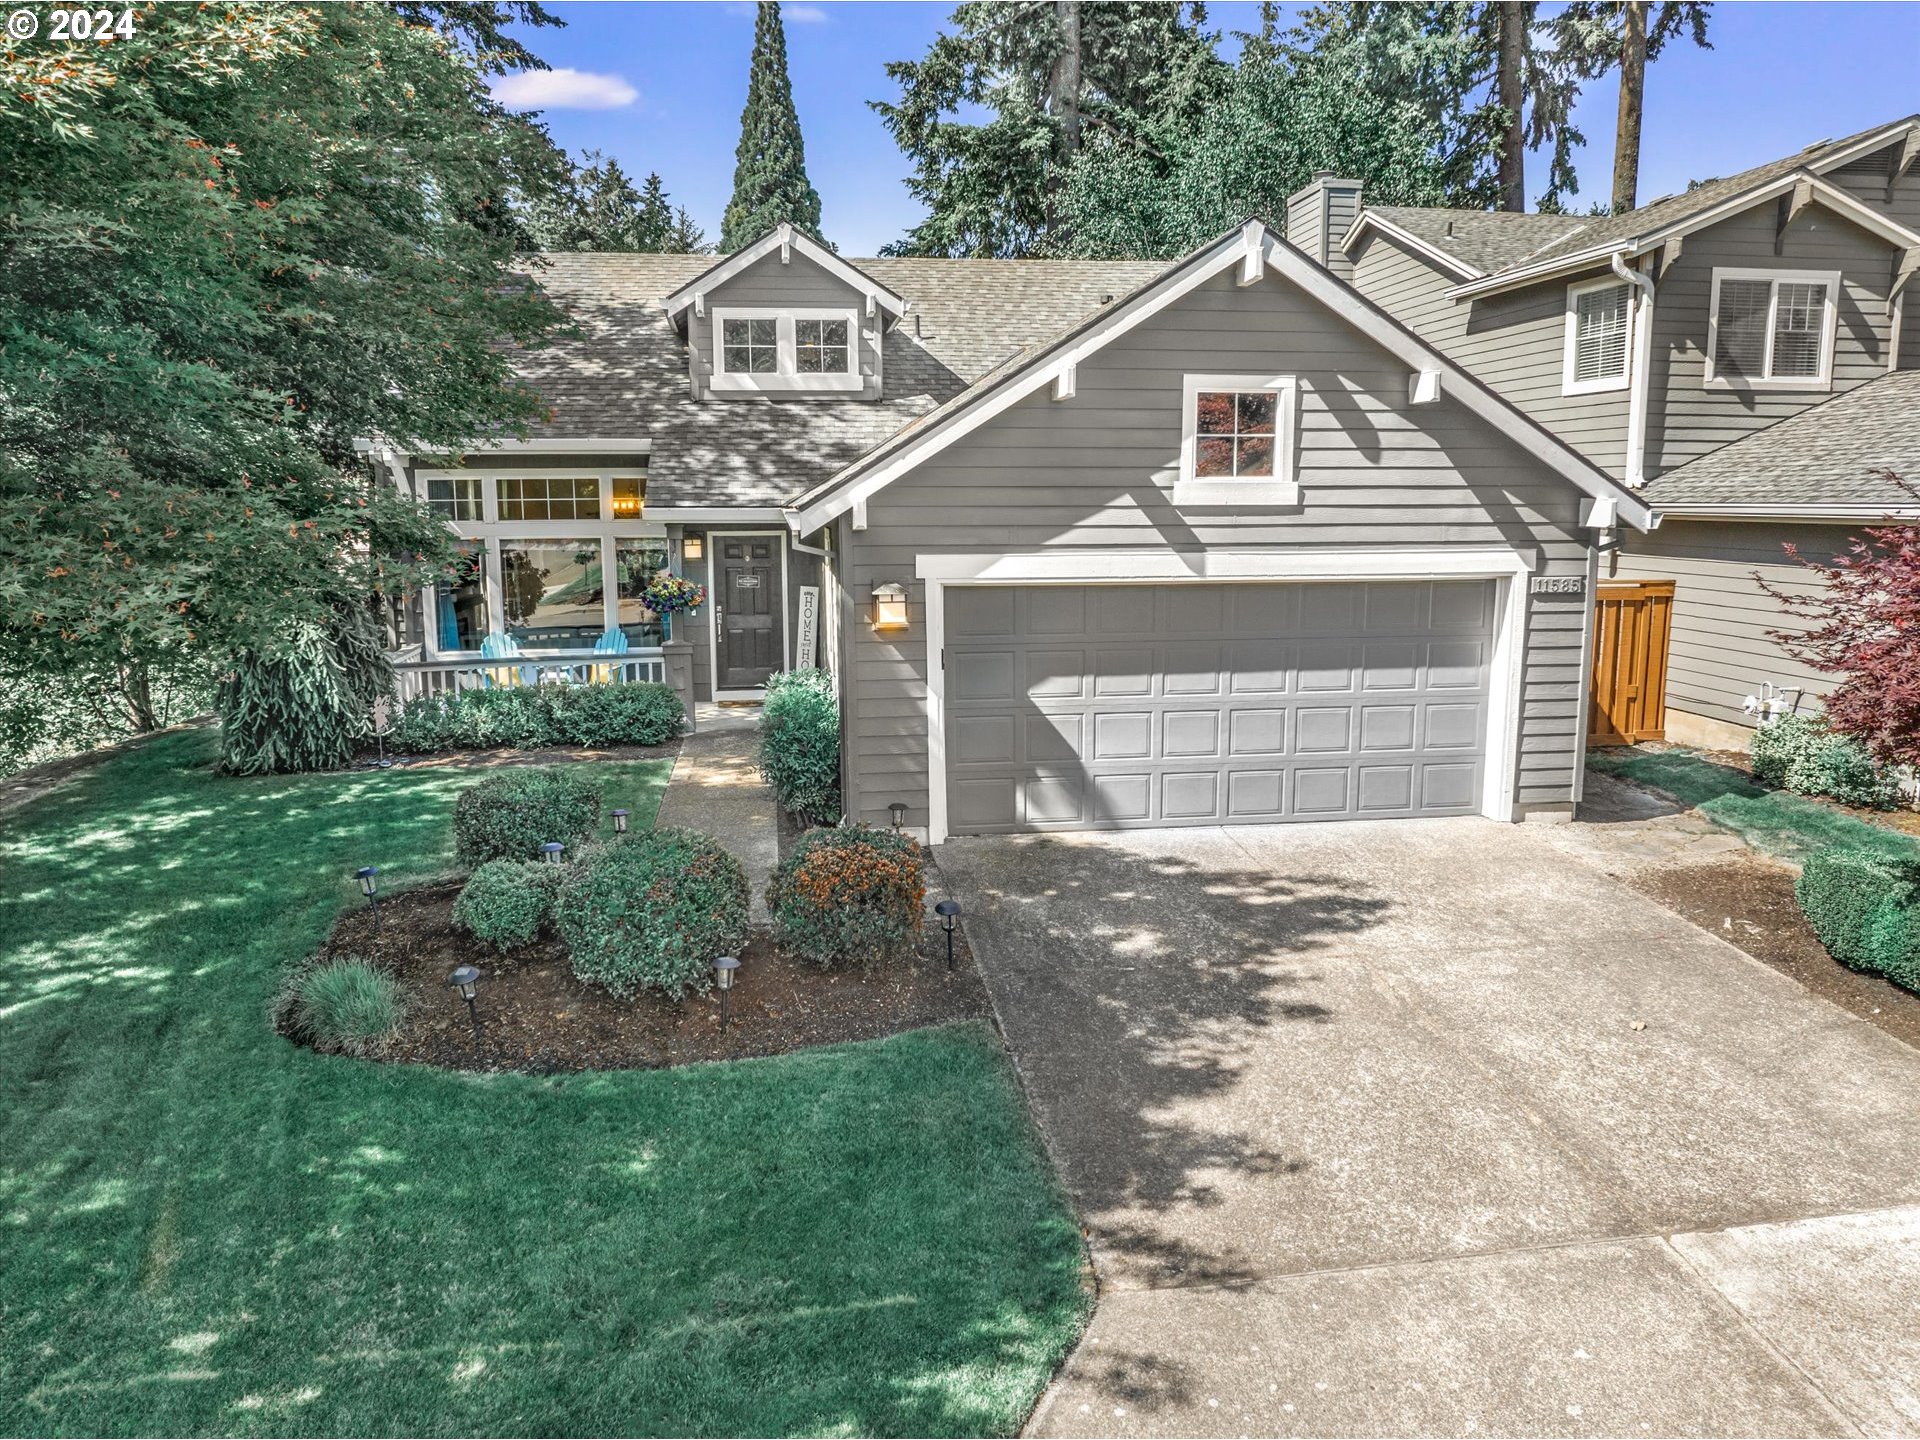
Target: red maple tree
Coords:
[(1864, 625)]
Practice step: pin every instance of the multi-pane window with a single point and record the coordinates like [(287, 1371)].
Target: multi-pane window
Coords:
[(751, 347), (820, 347), (1771, 327), (455, 497), (548, 497), (1599, 317), (1234, 433)]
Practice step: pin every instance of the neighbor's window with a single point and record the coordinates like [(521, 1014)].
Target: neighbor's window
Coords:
[(460, 601), (548, 497), (1772, 329), (820, 347), (455, 497), (750, 347), (1236, 445), (1599, 317), (553, 593), (634, 562)]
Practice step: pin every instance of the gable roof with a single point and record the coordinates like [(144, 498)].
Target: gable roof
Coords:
[(1495, 244), (784, 238), (624, 371), (1254, 249), (1823, 460)]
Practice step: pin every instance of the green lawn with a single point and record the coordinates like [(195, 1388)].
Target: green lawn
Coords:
[(1789, 826), (204, 1229)]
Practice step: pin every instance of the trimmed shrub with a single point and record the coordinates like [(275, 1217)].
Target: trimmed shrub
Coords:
[(1775, 747), (532, 717), (1866, 910), (506, 902), (653, 912), (510, 815), (1801, 754), (347, 1006), (849, 895), (800, 744)]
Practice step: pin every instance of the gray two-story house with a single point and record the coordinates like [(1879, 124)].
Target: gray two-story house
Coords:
[(1738, 355)]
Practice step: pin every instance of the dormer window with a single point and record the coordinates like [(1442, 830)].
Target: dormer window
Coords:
[(769, 351)]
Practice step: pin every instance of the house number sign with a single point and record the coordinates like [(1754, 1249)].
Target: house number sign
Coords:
[(746, 582), (1559, 585)]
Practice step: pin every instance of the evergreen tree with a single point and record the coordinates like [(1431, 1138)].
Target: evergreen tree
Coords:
[(770, 166), (1602, 34), (654, 220), (685, 237), (1055, 77), (599, 209)]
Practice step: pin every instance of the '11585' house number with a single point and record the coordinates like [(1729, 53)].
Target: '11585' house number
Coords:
[(1559, 585)]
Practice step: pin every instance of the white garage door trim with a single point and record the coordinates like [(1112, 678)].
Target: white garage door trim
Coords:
[(1510, 567)]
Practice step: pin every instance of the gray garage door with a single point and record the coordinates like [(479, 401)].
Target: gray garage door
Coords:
[(1104, 706)]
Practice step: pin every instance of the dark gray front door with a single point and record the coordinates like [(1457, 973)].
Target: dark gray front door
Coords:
[(1102, 707), (750, 616)]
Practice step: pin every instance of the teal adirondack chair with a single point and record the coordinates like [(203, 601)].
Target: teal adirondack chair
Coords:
[(611, 642), (503, 647)]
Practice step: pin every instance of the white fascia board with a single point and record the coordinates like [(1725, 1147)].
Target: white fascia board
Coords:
[(1067, 567), (1412, 242), (785, 239), (1865, 145), (1815, 510), (812, 512), (1370, 321), (1828, 194)]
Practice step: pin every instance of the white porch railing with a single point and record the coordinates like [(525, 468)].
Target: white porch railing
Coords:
[(416, 679)]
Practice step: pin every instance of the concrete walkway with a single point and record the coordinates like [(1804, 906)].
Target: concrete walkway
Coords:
[(1436, 1129), (716, 788)]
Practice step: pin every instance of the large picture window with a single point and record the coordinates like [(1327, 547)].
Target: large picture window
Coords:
[(1772, 329), (553, 593)]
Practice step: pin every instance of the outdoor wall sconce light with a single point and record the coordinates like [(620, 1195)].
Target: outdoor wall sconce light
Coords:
[(898, 810), (465, 981), (370, 888), (693, 548), (723, 969), (552, 851), (948, 911), (890, 606), (619, 822)]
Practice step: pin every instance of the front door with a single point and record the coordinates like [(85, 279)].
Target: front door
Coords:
[(749, 617)]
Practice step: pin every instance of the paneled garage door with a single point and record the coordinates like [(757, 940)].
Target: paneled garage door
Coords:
[(1104, 706)]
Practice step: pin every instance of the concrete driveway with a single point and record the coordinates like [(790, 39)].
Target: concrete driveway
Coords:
[(1430, 1128)]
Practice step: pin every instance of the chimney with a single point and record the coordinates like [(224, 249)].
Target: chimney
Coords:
[(1319, 214)]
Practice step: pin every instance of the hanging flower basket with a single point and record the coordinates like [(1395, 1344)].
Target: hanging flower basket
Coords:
[(669, 594)]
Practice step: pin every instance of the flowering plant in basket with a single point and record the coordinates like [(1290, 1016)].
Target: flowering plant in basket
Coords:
[(668, 594)]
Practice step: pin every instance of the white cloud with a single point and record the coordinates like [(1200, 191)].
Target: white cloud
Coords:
[(804, 14), (563, 90)]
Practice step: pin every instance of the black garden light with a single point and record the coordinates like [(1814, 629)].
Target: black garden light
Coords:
[(949, 912), (619, 822), (898, 810), (370, 887), (551, 850), (723, 969), (466, 981)]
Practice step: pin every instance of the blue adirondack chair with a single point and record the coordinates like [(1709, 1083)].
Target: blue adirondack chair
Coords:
[(503, 647), (611, 642)]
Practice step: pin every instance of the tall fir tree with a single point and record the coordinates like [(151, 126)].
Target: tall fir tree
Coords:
[(770, 167)]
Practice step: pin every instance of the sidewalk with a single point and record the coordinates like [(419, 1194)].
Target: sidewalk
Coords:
[(716, 788)]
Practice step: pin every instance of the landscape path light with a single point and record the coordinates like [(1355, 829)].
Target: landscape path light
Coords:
[(948, 911), (620, 822), (370, 887), (723, 969), (552, 851), (466, 981)]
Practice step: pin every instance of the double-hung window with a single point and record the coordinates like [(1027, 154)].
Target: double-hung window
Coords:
[(770, 351), (1236, 444), (1772, 330), (1599, 340)]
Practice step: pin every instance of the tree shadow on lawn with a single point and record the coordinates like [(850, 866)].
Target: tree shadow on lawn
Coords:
[(210, 1230)]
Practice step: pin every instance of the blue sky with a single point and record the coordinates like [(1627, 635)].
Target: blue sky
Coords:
[(665, 82)]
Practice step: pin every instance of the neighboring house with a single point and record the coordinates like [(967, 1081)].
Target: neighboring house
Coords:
[(1096, 544), (1691, 348)]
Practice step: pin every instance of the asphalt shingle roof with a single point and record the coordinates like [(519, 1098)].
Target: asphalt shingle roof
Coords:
[(1487, 240), (1826, 455), (625, 374)]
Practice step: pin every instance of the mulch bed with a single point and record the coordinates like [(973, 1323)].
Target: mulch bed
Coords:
[(1749, 901), (536, 1017)]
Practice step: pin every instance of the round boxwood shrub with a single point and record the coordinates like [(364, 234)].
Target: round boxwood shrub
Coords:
[(505, 902), (653, 911), (1865, 908), (510, 815), (851, 895), (347, 1005)]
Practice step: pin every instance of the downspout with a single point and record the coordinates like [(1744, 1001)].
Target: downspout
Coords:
[(1642, 383)]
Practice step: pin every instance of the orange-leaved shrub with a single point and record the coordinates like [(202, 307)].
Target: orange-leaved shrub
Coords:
[(849, 895)]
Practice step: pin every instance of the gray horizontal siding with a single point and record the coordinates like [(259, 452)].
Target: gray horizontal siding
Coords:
[(1721, 648), (1095, 473)]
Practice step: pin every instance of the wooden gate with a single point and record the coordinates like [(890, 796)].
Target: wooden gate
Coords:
[(1631, 622)]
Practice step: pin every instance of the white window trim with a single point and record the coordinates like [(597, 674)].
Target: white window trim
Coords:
[(1570, 354), (1282, 489), (784, 378), (1822, 381)]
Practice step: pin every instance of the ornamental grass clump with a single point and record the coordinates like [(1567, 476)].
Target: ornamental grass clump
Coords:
[(509, 816), (852, 895), (507, 903), (653, 911), (347, 1006)]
